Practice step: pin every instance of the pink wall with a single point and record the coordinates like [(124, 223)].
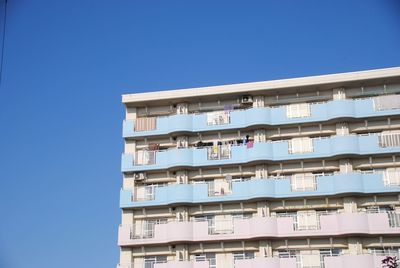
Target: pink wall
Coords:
[(354, 261), (258, 227), (267, 263), (182, 264)]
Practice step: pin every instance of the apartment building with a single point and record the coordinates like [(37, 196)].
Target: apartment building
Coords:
[(294, 173)]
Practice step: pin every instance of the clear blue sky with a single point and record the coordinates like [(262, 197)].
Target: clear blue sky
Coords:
[(66, 64)]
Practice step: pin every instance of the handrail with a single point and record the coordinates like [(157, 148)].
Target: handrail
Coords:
[(275, 105), (282, 140)]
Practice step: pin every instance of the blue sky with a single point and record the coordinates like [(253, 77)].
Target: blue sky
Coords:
[(66, 64)]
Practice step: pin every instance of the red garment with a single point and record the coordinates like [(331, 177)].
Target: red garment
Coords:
[(249, 144)]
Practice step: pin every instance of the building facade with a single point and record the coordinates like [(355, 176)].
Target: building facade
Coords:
[(294, 173)]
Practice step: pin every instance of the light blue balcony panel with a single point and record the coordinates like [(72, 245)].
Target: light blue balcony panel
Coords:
[(263, 189), (263, 151), (261, 116)]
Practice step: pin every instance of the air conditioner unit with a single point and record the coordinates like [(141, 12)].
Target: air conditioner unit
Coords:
[(247, 99), (140, 176)]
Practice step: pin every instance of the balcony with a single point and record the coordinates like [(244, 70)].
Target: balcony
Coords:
[(261, 188), (262, 227), (267, 151), (351, 261), (342, 261), (183, 264), (258, 116), (169, 264), (272, 262)]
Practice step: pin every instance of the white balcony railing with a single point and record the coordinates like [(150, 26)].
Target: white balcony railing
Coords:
[(219, 152), (145, 123), (391, 177), (220, 227), (219, 187), (386, 102), (145, 193), (394, 219), (303, 182), (301, 145), (145, 157), (218, 118), (145, 229), (389, 139), (306, 220), (298, 110)]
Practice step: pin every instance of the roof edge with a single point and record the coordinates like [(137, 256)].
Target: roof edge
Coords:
[(262, 85)]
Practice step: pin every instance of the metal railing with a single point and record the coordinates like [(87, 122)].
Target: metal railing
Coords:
[(301, 145), (220, 188), (310, 260), (218, 118), (306, 220), (220, 227), (145, 229), (394, 219), (303, 182), (219, 152), (145, 157), (393, 252), (389, 140), (145, 193)]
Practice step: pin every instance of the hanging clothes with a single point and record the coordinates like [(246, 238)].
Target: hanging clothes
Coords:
[(250, 144)]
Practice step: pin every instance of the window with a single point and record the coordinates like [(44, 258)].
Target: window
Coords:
[(210, 257), (149, 261)]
